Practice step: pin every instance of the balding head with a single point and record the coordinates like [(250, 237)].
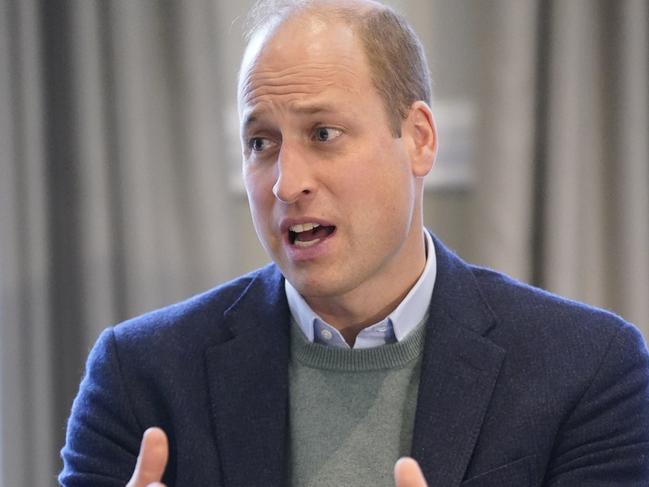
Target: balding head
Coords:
[(396, 58)]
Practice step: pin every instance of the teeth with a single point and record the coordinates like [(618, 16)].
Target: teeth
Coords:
[(303, 227), (309, 243)]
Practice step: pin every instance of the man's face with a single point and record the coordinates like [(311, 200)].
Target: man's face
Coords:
[(331, 190)]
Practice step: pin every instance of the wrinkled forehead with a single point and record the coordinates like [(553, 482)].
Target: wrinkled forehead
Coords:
[(295, 44)]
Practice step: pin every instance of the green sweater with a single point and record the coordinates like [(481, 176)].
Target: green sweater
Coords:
[(351, 411)]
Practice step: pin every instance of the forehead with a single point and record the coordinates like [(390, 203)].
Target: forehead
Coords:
[(303, 57)]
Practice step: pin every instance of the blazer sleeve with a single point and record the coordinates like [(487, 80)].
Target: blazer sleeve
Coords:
[(103, 435), (605, 438)]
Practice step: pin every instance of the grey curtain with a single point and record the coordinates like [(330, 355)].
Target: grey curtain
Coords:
[(113, 194), (563, 164), (116, 149)]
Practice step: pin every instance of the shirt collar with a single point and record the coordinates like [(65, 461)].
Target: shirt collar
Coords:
[(397, 325)]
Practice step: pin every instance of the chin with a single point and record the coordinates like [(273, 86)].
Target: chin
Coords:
[(307, 287), (310, 286)]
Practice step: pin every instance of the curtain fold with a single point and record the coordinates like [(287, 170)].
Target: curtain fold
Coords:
[(563, 160), (596, 233), (113, 191), (502, 207), (25, 332), (574, 225), (629, 128)]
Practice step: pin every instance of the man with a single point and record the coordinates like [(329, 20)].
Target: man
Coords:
[(366, 340)]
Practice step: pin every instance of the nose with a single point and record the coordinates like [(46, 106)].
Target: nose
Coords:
[(294, 176)]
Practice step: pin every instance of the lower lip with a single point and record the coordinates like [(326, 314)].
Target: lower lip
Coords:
[(302, 254)]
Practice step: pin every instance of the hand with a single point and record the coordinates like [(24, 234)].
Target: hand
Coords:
[(408, 474), (152, 460)]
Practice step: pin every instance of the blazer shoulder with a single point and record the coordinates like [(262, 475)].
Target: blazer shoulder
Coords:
[(198, 318), (538, 323), (583, 374), (515, 301)]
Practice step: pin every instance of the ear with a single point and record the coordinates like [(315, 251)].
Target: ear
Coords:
[(420, 133)]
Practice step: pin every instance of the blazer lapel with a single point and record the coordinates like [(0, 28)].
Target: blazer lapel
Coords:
[(248, 383), (459, 372)]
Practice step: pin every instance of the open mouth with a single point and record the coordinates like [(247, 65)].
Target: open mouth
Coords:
[(308, 234)]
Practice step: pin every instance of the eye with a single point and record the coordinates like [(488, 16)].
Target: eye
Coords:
[(258, 144), (325, 134)]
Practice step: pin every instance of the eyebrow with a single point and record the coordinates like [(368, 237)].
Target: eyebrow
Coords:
[(313, 108), (249, 120), (305, 109)]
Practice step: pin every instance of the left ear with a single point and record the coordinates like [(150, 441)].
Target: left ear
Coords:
[(420, 134)]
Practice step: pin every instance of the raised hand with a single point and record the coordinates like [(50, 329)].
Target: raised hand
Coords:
[(152, 460), (408, 474)]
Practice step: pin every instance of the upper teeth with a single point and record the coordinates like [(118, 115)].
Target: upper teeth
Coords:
[(303, 227)]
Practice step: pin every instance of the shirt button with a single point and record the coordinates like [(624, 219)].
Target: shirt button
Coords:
[(326, 334), (382, 328)]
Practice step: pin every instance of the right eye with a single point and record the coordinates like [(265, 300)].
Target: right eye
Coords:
[(258, 144)]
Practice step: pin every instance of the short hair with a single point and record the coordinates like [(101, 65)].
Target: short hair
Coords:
[(394, 53)]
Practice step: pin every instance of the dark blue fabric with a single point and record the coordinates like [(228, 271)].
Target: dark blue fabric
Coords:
[(518, 387)]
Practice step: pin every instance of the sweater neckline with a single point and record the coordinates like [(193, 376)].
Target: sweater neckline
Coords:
[(389, 356)]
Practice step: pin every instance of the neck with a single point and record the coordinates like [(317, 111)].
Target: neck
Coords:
[(361, 307)]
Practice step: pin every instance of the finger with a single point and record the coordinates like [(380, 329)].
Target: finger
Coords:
[(408, 474), (152, 460)]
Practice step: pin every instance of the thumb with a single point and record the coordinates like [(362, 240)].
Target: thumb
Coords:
[(152, 460), (408, 474)]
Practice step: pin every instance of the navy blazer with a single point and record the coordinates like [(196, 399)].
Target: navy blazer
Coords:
[(518, 387)]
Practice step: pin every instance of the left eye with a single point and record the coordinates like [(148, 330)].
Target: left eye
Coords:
[(325, 134)]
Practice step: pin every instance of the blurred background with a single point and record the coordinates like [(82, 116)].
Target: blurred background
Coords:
[(120, 181)]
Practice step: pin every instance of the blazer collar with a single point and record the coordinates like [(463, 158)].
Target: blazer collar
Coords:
[(459, 371), (248, 384)]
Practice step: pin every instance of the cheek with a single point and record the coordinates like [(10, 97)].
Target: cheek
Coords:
[(382, 179), (260, 209), (387, 194), (376, 204), (261, 206), (259, 188)]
